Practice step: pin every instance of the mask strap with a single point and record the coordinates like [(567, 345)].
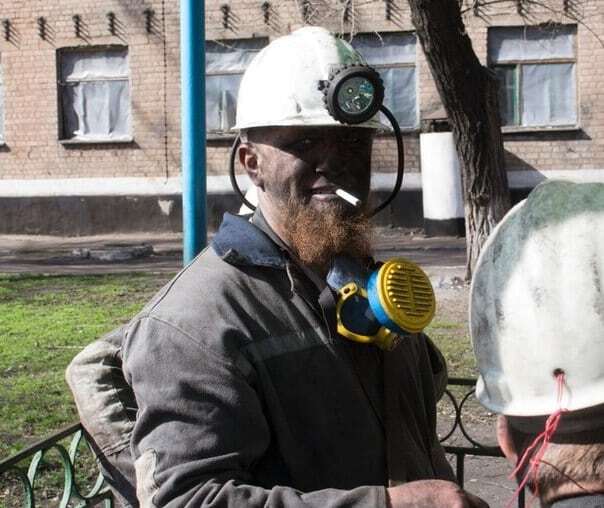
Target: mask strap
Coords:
[(327, 302)]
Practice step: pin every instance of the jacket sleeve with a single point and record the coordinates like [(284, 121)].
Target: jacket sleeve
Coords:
[(440, 374), (107, 409), (439, 368), (201, 427)]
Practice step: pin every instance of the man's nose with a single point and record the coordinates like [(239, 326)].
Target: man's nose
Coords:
[(331, 162)]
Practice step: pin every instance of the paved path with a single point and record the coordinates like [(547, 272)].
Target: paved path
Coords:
[(440, 257)]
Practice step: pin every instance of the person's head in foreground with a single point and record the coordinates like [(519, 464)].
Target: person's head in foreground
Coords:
[(297, 155), (537, 326)]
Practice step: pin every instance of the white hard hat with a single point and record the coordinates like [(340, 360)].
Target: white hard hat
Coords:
[(281, 85), (537, 303)]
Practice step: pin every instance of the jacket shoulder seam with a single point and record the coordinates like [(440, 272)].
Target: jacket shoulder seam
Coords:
[(175, 279), (231, 362)]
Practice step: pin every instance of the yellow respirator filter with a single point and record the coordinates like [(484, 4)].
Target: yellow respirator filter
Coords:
[(398, 300), (401, 294)]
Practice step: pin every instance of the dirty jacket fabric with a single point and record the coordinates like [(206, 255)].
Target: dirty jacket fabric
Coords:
[(246, 397)]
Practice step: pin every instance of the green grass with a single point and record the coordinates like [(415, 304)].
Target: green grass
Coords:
[(453, 340), (44, 322)]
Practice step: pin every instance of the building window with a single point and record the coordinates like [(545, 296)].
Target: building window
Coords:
[(225, 63), (1, 107), (94, 94), (393, 56), (536, 68)]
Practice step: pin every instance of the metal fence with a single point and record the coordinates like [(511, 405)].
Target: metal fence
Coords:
[(25, 465), (472, 447)]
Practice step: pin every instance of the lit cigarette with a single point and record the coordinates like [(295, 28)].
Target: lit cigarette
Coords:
[(346, 196)]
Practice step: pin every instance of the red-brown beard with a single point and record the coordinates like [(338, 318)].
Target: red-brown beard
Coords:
[(316, 236)]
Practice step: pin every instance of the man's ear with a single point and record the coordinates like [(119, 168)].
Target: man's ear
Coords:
[(248, 157), (504, 438)]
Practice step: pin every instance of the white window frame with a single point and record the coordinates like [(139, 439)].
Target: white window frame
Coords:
[(261, 42), (64, 137), (399, 65), (518, 64)]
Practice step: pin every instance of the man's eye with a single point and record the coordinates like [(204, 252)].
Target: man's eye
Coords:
[(302, 144), (356, 140), (357, 144)]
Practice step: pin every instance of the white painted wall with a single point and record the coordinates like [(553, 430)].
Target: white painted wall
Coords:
[(221, 184)]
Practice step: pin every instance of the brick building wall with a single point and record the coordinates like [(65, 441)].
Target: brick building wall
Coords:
[(526, 149), (32, 152), (572, 149), (29, 68)]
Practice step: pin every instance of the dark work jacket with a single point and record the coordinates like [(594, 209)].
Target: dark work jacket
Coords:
[(246, 397)]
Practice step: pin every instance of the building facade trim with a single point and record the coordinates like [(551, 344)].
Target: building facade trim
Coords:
[(219, 184)]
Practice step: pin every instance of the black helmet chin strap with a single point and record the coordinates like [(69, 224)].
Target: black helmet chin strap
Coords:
[(401, 161), (234, 183)]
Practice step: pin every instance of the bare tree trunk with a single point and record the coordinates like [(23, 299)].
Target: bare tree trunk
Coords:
[(469, 94)]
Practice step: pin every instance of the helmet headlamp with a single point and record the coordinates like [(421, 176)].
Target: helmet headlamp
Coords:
[(353, 94)]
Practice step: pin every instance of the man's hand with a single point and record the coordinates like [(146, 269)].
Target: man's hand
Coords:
[(432, 494)]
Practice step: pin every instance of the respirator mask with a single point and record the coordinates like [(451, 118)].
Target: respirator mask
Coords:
[(382, 305)]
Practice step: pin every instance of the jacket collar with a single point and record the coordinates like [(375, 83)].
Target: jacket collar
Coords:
[(240, 242)]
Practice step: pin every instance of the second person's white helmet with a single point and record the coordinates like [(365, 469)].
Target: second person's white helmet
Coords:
[(281, 86), (537, 303)]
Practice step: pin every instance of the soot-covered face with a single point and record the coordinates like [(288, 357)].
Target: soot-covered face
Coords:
[(297, 171)]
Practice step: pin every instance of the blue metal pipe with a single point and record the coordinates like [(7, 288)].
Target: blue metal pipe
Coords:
[(193, 127)]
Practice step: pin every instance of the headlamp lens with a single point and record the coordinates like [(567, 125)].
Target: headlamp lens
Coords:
[(356, 95), (353, 93)]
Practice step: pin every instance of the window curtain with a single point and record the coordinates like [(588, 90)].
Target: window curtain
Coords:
[(96, 94), (225, 64), (397, 51)]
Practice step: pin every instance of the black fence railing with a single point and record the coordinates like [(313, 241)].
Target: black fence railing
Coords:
[(24, 468), (31, 476), (472, 447)]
